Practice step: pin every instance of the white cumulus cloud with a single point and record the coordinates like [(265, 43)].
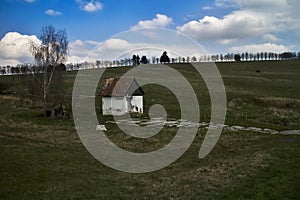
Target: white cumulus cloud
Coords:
[(52, 12), (15, 48), (79, 50), (237, 25), (116, 44), (262, 21), (266, 47), (92, 6), (160, 21)]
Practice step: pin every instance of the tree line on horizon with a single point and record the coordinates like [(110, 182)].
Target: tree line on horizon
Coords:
[(136, 60)]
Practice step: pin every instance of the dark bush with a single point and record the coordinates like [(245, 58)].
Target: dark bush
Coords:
[(4, 87)]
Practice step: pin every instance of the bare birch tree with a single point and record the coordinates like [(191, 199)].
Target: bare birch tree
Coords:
[(49, 56)]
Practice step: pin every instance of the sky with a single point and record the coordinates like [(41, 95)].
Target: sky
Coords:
[(219, 26)]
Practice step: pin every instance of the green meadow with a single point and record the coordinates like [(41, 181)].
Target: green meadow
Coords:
[(43, 158)]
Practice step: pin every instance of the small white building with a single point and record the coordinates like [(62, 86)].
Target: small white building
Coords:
[(121, 95)]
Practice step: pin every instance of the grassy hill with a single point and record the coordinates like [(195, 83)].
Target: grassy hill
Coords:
[(43, 158)]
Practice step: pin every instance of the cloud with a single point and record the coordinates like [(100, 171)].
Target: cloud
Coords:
[(237, 25), (266, 47), (207, 7), (88, 50), (52, 12), (249, 20), (15, 48), (259, 4), (134, 42), (116, 44), (270, 38), (220, 4), (160, 21), (110, 49), (92, 6), (224, 3), (79, 50), (253, 4)]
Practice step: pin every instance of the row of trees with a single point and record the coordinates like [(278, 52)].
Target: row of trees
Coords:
[(164, 58), (208, 58), (267, 56), (26, 69), (136, 60)]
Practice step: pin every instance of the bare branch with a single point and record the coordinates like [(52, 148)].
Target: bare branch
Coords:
[(48, 55)]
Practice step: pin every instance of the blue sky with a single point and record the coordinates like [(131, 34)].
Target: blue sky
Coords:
[(114, 17), (220, 26)]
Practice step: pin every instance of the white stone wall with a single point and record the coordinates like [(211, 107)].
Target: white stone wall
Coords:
[(113, 106), (137, 104), (122, 105)]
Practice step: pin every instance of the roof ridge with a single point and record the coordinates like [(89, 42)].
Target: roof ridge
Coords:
[(122, 89)]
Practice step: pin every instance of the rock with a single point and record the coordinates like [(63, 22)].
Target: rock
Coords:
[(255, 129), (291, 132), (238, 127), (101, 128), (229, 128), (270, 131)]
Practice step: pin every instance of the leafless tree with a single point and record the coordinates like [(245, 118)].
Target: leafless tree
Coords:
[(49, 57)]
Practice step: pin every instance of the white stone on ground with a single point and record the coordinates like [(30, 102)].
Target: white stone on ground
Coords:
[(101, 127)]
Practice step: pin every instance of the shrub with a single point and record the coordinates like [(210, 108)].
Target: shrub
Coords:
[(4, 87)]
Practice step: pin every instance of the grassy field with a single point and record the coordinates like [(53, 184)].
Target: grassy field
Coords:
[(43, 158)]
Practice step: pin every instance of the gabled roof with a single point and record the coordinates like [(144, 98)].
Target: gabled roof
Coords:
[(120, 87)]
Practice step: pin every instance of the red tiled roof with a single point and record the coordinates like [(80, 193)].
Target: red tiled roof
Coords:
[(119, 87)]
